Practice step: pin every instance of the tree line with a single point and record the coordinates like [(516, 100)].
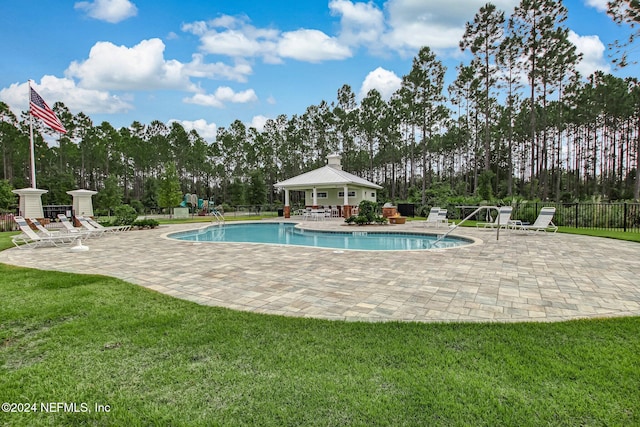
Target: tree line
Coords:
[(517, 121)]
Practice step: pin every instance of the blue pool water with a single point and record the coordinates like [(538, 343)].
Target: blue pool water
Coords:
[(288, 234)]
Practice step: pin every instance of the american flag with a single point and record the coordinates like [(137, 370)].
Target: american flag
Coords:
[(39, 108)]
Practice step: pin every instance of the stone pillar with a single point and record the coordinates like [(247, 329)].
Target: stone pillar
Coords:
[(82, 202), (287, 208), (347, 211), (30, 202)]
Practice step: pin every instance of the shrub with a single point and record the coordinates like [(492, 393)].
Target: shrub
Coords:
[(361, 220), (368, 209), (146, 223), (380, 220), (125, 215)]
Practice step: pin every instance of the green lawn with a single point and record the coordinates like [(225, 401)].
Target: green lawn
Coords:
[(156, 360)]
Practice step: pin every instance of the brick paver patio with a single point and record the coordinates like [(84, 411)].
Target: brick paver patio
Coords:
[(520, 277)]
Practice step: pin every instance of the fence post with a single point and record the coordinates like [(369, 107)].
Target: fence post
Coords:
[(576, 215), (624, 221)]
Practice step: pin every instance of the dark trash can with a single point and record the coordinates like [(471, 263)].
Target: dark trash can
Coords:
[(280, 212)]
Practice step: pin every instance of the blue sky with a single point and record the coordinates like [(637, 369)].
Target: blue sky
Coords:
[(208, 63)]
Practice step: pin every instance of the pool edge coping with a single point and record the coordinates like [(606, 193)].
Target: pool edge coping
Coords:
[(472, 241)]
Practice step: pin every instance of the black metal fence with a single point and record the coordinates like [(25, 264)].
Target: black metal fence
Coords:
[(602, 216)]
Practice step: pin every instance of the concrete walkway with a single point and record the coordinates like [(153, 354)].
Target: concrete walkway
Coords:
[(520, 277)]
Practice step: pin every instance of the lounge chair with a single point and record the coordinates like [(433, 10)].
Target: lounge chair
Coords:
[(442, 216), (434, 216), (30, 239), (90, 228), (542, 223), (42, 229), (503, 219), (110, 229), (437, 216), (84, 232)]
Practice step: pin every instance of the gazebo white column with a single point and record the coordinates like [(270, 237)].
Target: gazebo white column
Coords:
[(30, 202), (314, 205), (345, 202), (82, 203), (287, 208)]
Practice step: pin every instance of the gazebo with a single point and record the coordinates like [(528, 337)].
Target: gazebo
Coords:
[(329, 186)]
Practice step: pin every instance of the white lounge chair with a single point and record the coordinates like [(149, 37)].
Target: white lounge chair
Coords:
[(434, 216), (437, 216), (442, 216), (90, 228), (66, 223), (542, 223), (30, 239), (503, 219), (110, 229), (42, 229)]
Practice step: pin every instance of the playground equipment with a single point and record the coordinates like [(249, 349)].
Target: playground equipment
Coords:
[(201, 206)]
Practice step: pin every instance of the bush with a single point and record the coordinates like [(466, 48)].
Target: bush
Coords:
[(145, 223), (361, 220), (368, 209), (125, 215)]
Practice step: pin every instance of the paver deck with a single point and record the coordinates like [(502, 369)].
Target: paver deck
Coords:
[(520, 277)]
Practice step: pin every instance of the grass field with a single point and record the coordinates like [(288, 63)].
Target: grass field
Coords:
[(156, 360)]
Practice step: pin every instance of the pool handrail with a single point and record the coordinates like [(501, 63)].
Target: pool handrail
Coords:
[(454, 226)]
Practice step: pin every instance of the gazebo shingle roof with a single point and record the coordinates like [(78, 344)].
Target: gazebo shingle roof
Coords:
[(326, 176)]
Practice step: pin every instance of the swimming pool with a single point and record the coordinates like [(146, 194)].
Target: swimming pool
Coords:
[(288, 234)]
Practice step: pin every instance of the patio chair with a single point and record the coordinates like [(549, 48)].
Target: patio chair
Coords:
[(432, 218), (30, 239), (42, 229), (503, 218), (306, 213), (437, 216), (542, 223), (110, 229), (442, 218), (90, 228), (66, 223)]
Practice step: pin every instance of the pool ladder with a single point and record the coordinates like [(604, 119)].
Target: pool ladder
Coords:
[(218, 216), (453, 227)]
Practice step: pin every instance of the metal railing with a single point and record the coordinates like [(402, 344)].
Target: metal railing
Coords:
[(471, 215), (602, 216)]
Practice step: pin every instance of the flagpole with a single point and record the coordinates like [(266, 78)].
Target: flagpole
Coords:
[(31, 145)]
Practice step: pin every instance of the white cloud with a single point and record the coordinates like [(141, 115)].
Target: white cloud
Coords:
[(141, 67), (592, 50), (360, 23), (219, 70), (222, 96), (439, 25), (600, 5), (54, 89), (144, 67), (235, 37), (112, 11), (311, 46), (258, 122), (204, 129), (384, 81)]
